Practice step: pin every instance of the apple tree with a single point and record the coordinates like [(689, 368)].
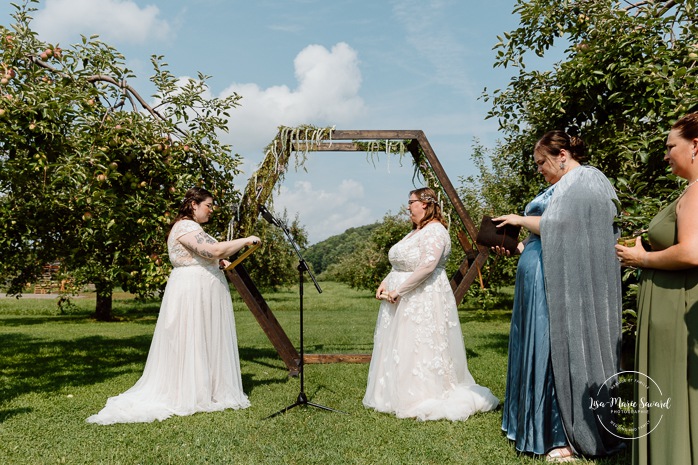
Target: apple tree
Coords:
[(91, 174), (629, 70)]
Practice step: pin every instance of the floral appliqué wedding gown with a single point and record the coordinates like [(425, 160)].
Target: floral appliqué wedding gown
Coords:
[(419, 367), (193, 363)]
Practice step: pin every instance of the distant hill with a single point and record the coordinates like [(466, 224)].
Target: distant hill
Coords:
[(332, 249)]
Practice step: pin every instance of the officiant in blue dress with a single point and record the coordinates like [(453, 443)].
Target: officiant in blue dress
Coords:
[(564, 341)]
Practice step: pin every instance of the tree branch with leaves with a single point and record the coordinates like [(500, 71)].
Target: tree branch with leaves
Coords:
[(89, 184)]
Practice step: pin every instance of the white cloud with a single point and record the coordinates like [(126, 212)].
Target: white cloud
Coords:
[(327, 94), (113, 20), (324, 213)]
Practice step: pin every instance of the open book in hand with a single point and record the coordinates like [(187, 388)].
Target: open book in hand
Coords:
[(490, 235)]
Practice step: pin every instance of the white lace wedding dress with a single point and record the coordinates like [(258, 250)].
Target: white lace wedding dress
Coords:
[(193, 364), (419, 367)]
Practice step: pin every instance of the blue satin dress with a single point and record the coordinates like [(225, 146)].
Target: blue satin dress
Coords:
[(531, 416)]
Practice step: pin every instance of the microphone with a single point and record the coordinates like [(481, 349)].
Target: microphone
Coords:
[(267, 216)]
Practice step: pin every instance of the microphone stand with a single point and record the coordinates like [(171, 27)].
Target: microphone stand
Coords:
[(302, 398)]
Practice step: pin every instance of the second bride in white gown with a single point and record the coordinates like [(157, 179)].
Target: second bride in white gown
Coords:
[(193, 363), (419, 368)]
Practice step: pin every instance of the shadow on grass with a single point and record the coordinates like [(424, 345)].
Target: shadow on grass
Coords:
[(268, 358), (495, 342), (40, 320), (44, 366), (9, 413), (35, 365)]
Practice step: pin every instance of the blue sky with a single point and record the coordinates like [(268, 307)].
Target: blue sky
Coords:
[(352, 64)]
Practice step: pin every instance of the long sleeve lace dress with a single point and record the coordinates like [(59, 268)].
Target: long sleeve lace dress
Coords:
[(419, 367)]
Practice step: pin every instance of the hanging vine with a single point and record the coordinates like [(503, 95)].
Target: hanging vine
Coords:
[(297, 142), (375, 147), (289, 142), (421, 166)]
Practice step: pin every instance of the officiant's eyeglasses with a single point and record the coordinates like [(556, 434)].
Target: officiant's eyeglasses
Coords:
[(410, 202)]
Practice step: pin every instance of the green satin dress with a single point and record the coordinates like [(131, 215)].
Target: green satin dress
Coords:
[(667, 353)]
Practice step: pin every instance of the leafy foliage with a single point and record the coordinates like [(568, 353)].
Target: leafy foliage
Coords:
[(90, 174), (275, 264), (331, 250), (628, 74), (629, 71), (359, 256), (366, 266), (289, 142), (491, 192)]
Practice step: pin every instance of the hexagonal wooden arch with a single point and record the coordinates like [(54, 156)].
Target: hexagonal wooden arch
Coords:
[(425, 159)]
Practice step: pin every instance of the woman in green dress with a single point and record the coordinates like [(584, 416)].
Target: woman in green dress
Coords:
[(667, 326)]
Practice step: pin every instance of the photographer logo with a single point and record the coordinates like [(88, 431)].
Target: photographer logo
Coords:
[(625, 416)]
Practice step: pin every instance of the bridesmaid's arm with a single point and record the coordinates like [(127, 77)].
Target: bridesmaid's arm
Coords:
[(680, 256)]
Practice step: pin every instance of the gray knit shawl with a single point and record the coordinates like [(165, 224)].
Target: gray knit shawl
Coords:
[(583, 288)]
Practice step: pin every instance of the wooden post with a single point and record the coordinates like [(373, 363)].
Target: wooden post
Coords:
[(266, 319)]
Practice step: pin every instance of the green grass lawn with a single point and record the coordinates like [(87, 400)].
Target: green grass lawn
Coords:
[(56, 369)]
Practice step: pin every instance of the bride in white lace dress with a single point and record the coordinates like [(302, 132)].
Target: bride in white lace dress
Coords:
[(419, 368), (193, 364)]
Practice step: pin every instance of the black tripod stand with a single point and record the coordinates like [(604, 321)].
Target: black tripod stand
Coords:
[(302, 268)]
